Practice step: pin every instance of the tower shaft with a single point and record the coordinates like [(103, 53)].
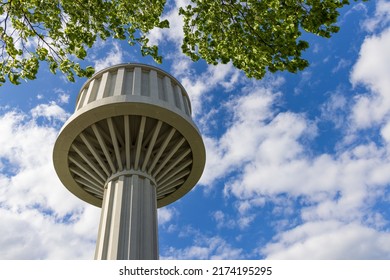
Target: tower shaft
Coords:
[(128, 223)]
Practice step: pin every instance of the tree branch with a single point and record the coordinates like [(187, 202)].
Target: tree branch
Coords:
[(41, 37)]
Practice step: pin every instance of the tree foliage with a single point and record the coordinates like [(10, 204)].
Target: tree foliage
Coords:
[(255, 35), (61, 31)]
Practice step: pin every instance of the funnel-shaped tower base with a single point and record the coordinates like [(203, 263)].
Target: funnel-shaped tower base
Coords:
[(128, 223)]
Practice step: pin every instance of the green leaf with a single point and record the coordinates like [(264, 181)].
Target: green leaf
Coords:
[(14, 78), (89, 71)]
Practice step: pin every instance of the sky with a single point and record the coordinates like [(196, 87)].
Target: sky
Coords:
[(298, 165)]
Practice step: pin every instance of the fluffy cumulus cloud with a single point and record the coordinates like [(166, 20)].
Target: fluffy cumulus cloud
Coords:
[(174, 33), (268, 154), (166, 214), (114, 56), (50, 111), (203, 247), (330, 240), (381, 18), (223, 76), (40, 218), (236, 145), (372, 70), (265, 153)]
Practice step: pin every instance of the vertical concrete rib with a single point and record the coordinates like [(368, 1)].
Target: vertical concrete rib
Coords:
[(149, 237), (168, 91), (153, 84), (103, 86), (180, 97), (104, 226), (110, 84), (134, 214), (119, 82), (89, 91), (117, 192), (137, 81), (187, 109), (125, 221), (80, 102)]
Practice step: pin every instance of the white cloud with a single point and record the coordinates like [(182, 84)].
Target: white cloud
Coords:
[(385, 132), (244, 205), (30, 234), (114, 56), (329, 240), (222, 75), (44, 220), (334, 109), (237, 144), (306, 78), (203, 248), (336, 187), (181, 66), (373, 71), (381, 18), (166, 214), (63, 98), (264, 154), (223, 220), (174, 33), (51, 112), (342, 64)]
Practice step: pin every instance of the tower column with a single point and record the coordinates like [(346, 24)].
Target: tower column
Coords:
[(128, 223)]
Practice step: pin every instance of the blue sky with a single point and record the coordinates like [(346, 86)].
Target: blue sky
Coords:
[(298, 165)]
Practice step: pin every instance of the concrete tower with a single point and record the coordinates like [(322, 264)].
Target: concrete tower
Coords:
[(131, 146)]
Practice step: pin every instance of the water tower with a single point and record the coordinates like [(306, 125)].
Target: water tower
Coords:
[(130, 147)]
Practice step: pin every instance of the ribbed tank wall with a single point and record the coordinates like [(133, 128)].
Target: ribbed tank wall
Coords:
[(159, 87)]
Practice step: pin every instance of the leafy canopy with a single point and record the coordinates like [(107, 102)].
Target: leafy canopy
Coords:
[(255, 35)]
